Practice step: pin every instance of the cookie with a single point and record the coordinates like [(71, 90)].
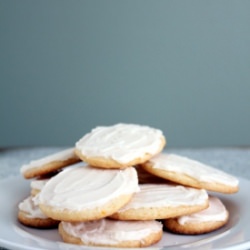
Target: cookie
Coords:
[(192, 173), (37, 185), (110, 233), (49, 164), (159, 201), (208, 220), (30, 215), (86, 193), (120, 145)]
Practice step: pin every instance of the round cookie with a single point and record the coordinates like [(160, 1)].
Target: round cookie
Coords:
[(120, 145), (30, 215), (110, 233), (86, 193), (49, 164), (192, 173), (37, 185), (208, 220), (160, 201)]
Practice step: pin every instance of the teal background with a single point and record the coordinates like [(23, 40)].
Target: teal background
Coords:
[(180, 66)]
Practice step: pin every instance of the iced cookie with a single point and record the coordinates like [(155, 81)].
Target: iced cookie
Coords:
[(120, 145), (192, 173), (86, 193), (110, 233), (159, 201), (208, 220), (30, 215), (49, 164), (37, 185)]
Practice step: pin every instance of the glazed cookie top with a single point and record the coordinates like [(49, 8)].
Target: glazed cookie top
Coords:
[(31, 209), (59, 156), (86, 187), (165, 195), (216, 211), (121, 142), (107, 231), (195, 169)]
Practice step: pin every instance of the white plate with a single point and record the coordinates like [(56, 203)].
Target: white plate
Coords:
[(235, 235)]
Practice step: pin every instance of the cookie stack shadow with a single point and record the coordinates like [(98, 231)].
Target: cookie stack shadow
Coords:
[(118, 188)]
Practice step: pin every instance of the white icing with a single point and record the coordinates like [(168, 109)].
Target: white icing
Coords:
[(86, 187), (121, 142), (215, 212), (31, 209), (192, 168), (59, 156), (38, 184), (164, 195), (110, 232)]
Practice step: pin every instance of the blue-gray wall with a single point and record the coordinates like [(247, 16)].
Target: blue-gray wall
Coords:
[(181, 66)]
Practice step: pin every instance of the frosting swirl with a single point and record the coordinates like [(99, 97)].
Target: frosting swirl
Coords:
[(216, 211), (195, 169), (86, 187), (31, 209), (164, 195), (110, 232), (121, 142)]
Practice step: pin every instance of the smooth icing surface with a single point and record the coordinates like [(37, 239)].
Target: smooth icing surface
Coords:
[(107, 231), (121, 142), (31, 209), (215, 212), (164, 195), (86, 187), (192, 168)]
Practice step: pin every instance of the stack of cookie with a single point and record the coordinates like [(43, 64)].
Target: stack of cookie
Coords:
[(125, 191)]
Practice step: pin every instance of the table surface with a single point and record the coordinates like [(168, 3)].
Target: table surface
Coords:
[(235, 161)]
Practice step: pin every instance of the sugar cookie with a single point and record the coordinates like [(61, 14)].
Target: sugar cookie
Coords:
[(208, 220), (110, 233), (30, 215), (37, 185), (120, 145), (86, 193), (49, 164), (192, 173), (159, 201)]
